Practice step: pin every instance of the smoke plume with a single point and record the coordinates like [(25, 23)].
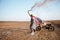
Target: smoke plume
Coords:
[(39, 4)]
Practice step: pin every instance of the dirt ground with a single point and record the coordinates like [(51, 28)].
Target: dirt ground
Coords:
[(24, 34), (8, 33)]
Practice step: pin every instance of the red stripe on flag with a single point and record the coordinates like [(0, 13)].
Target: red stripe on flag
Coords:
[(37, 21)]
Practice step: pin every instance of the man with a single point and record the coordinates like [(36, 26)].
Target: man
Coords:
[(34, 21), (31, 23)]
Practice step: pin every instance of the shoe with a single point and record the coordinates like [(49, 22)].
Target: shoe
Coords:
[(32, 33)]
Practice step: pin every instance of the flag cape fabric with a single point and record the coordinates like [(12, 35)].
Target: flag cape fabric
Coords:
[(37, 20)]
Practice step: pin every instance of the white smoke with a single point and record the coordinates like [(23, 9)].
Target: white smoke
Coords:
[(39, 4)]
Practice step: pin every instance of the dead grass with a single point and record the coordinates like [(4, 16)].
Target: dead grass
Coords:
[(22, 34), (20, 31)]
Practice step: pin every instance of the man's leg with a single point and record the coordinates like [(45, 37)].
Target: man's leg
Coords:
[(32, 29), (32, 33)]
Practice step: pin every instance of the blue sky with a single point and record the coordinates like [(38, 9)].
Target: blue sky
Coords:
[(16, 10)]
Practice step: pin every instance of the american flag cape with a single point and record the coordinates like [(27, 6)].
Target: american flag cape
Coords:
[(37, 20)]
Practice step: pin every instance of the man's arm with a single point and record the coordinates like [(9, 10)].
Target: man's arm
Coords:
[(28, 12)]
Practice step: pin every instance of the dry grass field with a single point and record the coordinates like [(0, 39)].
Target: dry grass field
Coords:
[(13, 30)]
